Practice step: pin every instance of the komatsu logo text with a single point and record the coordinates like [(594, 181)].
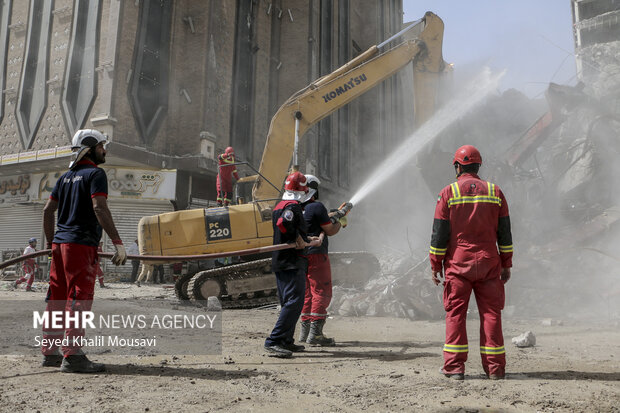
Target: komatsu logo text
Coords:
[(354, 81)]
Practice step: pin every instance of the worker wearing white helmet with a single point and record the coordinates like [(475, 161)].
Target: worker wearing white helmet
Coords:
[(80, 196), (319, 273)]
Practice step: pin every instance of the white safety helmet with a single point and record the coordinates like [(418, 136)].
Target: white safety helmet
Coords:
[(313, 188), (83, 141)]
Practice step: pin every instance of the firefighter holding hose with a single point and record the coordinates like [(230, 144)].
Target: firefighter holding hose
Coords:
[(319, 274)]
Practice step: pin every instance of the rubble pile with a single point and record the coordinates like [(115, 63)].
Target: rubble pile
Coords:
[(402, 289)]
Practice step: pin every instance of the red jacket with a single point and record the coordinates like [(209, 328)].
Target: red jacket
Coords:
[(226, 170), (471, 230)]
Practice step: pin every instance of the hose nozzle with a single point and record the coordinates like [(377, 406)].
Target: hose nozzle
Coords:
[(346, 207)]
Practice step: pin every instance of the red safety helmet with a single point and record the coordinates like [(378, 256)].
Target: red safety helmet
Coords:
[(229, 151), (295, 186), (466, 155)]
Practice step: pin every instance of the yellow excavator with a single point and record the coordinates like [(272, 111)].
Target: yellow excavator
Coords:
[(247, 226)]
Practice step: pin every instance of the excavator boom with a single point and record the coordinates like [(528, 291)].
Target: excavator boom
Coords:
[(327, 94)]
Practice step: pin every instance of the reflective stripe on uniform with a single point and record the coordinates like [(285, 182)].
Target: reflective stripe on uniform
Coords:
[(316, 314), (438, 251), (505, 248), (492, 350), (457, 199), (456, 191), (456, 348), (491, 189)]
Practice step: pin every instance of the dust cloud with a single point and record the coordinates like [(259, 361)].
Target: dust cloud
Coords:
[(562, 197)]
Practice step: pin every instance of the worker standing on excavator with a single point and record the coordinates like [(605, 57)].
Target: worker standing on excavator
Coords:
[(289, 265), (227, 169), (471, 223), (319, 274)]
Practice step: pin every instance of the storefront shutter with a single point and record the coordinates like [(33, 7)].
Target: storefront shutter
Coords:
[(20, 223), (126, 216)]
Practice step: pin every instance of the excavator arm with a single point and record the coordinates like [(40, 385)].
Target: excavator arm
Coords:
[(331, 92)]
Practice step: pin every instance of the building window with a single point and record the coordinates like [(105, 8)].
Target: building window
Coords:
[(148, 90), (5, 17), (32, 97), (241, 124), (325, 67), (80, 86), (344, 52)]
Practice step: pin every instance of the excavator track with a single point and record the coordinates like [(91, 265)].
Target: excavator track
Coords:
[(180, 286), (245, 285), (252, 284)]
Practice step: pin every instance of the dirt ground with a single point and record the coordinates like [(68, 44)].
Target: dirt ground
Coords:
[(379, 365)]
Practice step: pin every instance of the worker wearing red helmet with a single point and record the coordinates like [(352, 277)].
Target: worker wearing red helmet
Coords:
[(226, 170), (472, 245), (289, 265)]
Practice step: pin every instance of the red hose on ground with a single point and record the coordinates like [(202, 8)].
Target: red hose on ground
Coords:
[(163, 258)]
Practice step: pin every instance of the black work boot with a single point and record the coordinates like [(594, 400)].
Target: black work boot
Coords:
[(52, 360), (304, 329), (316, 337), (278, 351), (293, 347), (79, 363), (453, 376)]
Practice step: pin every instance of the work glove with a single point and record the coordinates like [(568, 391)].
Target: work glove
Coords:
[(343, 222), (120, 256), (339, 213)]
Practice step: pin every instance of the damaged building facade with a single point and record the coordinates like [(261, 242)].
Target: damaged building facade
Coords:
[(173, 83), (597, 36)]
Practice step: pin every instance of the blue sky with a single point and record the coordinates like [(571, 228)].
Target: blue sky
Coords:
[(531, 39)]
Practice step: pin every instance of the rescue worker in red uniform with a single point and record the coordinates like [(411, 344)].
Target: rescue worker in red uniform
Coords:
[(80, 196), (226, 170), (319, 275), (472, 245), (29, 266)]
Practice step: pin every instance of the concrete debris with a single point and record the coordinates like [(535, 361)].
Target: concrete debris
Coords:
[(527, 339), (396, 292), (213, 304)]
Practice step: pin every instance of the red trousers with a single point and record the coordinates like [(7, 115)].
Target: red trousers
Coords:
[(28, 274), (318, 288), (72, 285), (489, 295)]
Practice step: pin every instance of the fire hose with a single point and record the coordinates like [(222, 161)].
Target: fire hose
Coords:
[(162, 258)]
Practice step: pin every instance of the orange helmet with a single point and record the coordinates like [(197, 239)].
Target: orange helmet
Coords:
[(466, 155), (295, 186), (229, 151)]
